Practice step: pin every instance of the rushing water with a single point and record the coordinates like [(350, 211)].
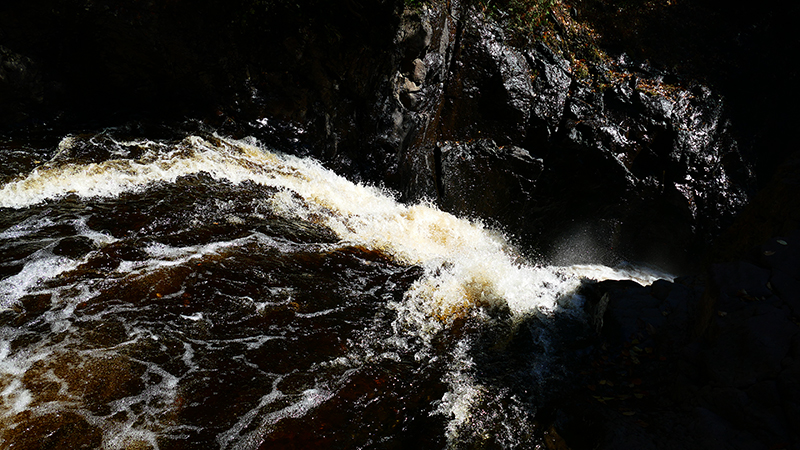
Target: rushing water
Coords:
[(204, 292)]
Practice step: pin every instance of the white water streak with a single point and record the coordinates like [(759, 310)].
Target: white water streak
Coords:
[(466, 265)]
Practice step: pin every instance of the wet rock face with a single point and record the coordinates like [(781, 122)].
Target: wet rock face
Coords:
[(550, 89), (480, 178), (733, 49), (283, 71), (488, 90), (384, 93), (658, 163), (646, 169)]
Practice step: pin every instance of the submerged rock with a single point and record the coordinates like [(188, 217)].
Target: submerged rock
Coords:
[(53, 430), (74, 247)]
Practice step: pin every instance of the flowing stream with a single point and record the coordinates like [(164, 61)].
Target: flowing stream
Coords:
[(205, 292)]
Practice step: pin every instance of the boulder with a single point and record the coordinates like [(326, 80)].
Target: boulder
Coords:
[(484, 180), (727, 346)]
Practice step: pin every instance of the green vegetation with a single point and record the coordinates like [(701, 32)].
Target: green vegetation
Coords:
[(520, 14), (523, 15)]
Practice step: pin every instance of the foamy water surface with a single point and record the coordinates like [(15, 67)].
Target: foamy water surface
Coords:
[(417, 274)]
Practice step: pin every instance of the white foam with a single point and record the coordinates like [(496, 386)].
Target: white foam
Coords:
[(466, 264), (142, 423), (463, 394), (193, 317), (26, 227), (40, 266), (14, 397), (467, 267), (237, 437), (98, 237)]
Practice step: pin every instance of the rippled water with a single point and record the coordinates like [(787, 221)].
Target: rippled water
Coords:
[(205, 292)]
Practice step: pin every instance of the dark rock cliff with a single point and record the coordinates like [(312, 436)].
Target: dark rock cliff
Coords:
[(437, 101), (526, 136)]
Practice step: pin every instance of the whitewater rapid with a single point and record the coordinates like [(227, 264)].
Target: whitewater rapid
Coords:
[(467, 268)]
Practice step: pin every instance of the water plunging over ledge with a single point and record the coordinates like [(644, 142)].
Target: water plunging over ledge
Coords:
[(210, 293)]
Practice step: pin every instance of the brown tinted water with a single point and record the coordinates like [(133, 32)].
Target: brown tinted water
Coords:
[(207, 293)]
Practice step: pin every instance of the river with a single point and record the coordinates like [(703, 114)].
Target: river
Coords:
[(204, 292)]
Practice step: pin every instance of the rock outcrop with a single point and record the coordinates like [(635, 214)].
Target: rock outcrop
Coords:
[(645, 168), (437, 101)]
